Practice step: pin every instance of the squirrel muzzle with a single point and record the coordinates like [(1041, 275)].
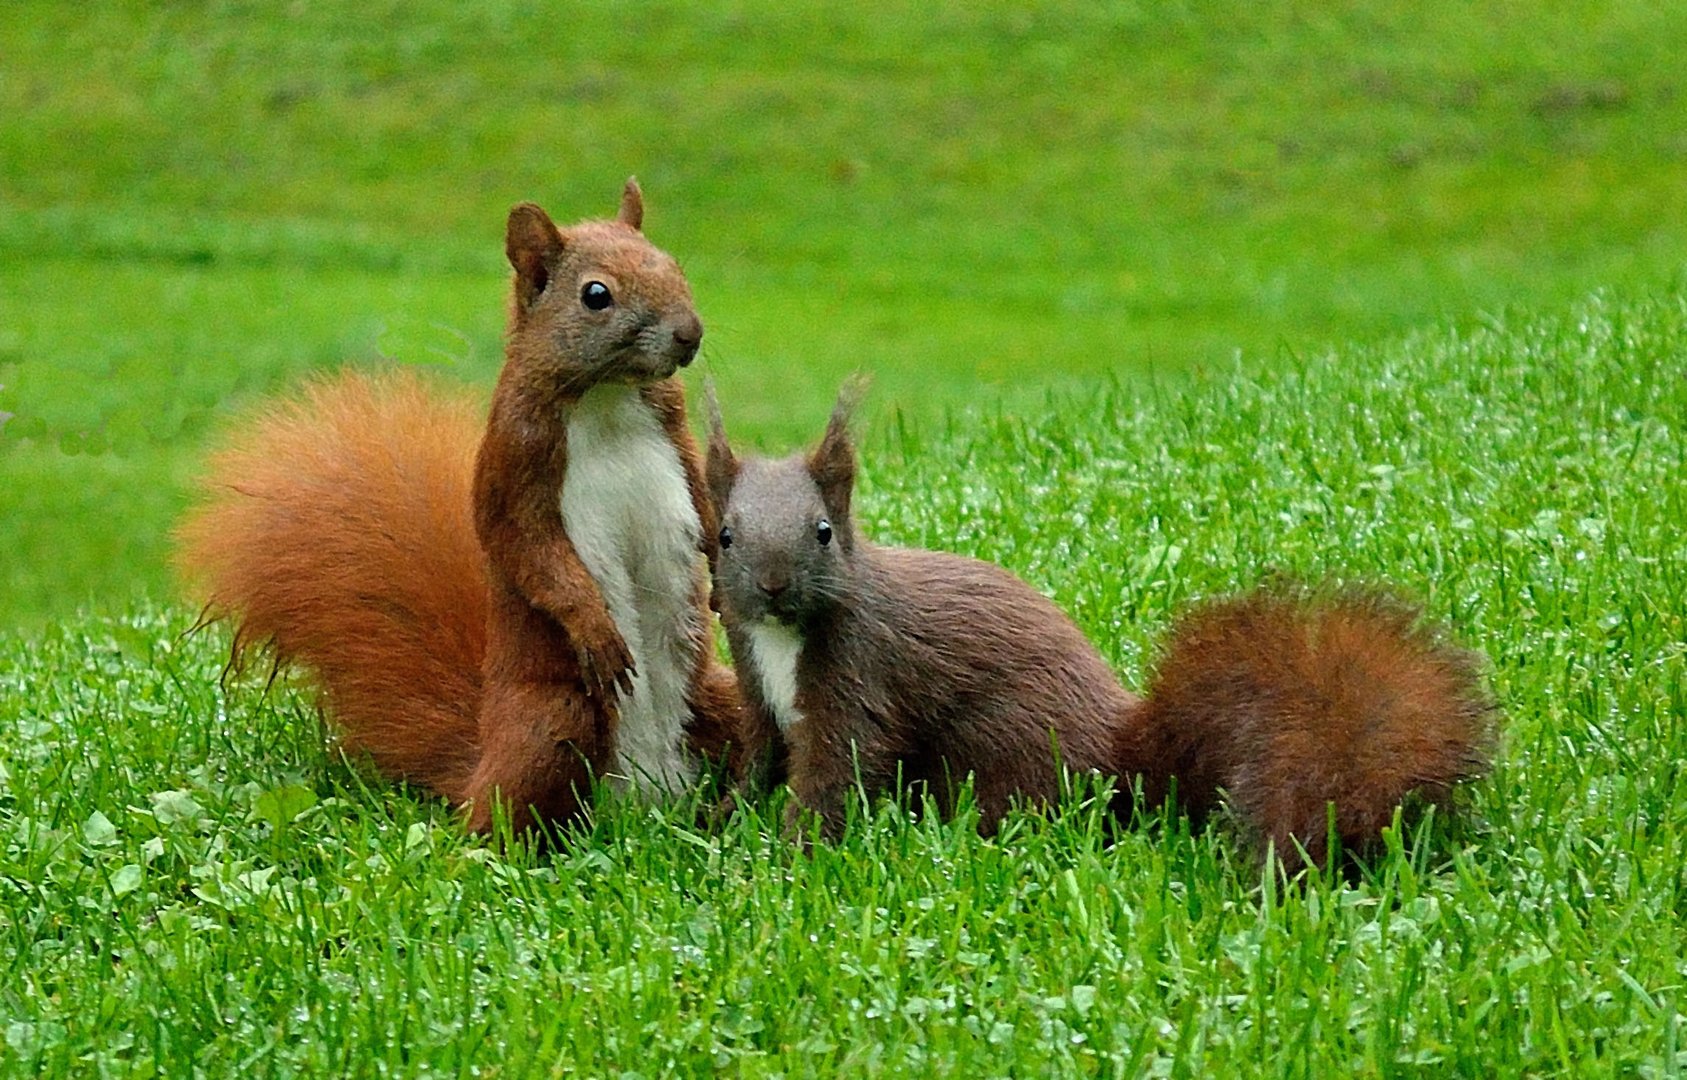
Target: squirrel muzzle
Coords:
[(687, 334)]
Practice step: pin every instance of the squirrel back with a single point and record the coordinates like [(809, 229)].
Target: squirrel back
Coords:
[(337, 531), (1288, 702)]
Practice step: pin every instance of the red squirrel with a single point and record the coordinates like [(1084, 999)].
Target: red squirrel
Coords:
[(877, 664), (499, 625)]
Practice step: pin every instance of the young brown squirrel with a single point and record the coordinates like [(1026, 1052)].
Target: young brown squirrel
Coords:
[(501, 625), (876, 663)]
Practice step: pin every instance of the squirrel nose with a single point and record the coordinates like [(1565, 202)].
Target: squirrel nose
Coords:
[(688, 334), (773, 587)]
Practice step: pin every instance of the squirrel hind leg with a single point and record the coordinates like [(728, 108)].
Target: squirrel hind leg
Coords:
[(540, 753)]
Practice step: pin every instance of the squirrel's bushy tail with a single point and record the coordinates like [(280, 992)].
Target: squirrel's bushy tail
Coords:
[(1291, 702), (336, 528)]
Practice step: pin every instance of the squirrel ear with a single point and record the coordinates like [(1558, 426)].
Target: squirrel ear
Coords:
[(632, 205), (832, 464), (721, 467), (531, 243)]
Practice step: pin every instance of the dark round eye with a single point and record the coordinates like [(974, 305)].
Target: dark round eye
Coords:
[(725, 538), (823, 532), (595, 295)]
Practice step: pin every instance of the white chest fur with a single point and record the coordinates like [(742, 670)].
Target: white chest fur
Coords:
[(629, 515), (774, 650)]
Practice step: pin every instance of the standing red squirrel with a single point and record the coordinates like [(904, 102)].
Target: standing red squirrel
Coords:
[(875, 665), (501, 625)]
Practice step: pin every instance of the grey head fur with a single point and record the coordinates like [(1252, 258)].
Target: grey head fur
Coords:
[(788, 541)]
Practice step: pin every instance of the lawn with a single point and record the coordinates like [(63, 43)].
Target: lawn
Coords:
[(1160, 300), (200, 202), (194, 882)]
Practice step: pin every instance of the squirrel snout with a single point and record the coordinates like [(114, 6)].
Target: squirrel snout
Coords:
[(773, 588), (688, 334)]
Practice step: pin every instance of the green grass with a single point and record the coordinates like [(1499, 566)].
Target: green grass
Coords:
[(200, 202), (1094, 255), (194, 884)]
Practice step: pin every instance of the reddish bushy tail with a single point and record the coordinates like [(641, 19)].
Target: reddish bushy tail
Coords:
[(337, 530), (1290, 703)]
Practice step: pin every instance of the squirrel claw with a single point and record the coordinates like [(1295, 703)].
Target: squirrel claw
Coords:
[(606, 670)]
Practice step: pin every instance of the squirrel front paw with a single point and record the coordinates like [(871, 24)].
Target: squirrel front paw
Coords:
[(606, 664)]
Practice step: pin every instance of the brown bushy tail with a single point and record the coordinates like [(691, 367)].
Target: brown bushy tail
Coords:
[(336, 529), (1290, 703)]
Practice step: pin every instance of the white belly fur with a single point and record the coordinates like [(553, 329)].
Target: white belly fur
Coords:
[(629, 515), (774, 649)]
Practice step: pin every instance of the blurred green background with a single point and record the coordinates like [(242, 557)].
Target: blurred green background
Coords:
[(200, 202)]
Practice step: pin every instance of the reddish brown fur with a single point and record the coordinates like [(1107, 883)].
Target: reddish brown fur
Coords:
[(1288, 704), (337, 526), (344, 531)]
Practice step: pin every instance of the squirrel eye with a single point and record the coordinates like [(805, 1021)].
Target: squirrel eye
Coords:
[(823, 532), (595, 295), (725, 537)]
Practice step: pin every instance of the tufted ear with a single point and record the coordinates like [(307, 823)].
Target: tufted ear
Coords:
[(721, 467), (632, 205), (533, 245), (832, 463)]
